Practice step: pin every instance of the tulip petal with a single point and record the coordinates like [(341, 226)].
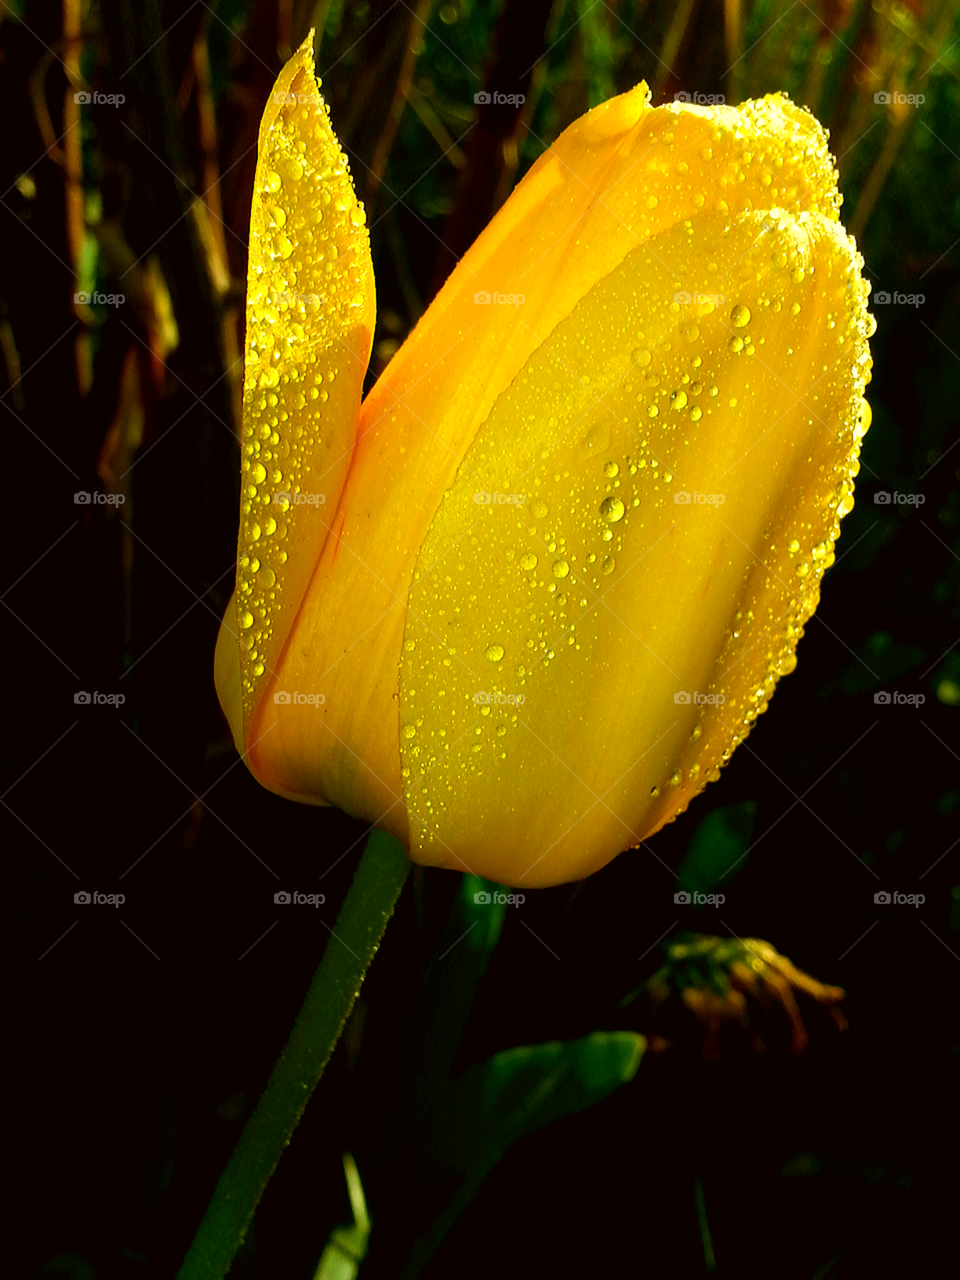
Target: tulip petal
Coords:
[(310, 317), (610, 607), (617, 178)]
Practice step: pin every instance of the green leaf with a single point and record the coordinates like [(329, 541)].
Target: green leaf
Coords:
[(717, 847), (523, 1089)]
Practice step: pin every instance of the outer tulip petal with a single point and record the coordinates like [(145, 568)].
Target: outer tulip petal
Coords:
[(310, 317), (605, 597), (617, 178)]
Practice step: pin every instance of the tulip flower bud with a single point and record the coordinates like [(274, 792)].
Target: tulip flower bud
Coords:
[(589, 503)]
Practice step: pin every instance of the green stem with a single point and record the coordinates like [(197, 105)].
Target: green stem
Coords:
[(360, 926)]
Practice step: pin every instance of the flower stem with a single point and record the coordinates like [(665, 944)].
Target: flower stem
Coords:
[(361, 924)]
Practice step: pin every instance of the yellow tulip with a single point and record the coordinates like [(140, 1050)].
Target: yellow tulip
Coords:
[(542, 582)]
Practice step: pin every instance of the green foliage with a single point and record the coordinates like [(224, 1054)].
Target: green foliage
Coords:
[(718, 847)]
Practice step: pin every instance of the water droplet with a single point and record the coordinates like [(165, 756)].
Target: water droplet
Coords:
[(246, 621), (560, 568), (676, 777), (640, 357), (273, 182), (612, 509), (409, 731), (740, 316), (609, 564), (679, 399), (696, 413), (528, 562), (610, 470), (735, 344), (495, 652)]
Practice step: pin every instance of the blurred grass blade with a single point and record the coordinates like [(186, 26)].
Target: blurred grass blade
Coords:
[(347, 1246)]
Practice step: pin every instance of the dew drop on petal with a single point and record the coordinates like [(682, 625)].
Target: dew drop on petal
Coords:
[(740, 316), (612, 509)]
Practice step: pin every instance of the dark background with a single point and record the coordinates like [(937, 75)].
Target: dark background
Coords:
[(141, 1036)]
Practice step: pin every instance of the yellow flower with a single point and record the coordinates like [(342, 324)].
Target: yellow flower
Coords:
[(543, 581)]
